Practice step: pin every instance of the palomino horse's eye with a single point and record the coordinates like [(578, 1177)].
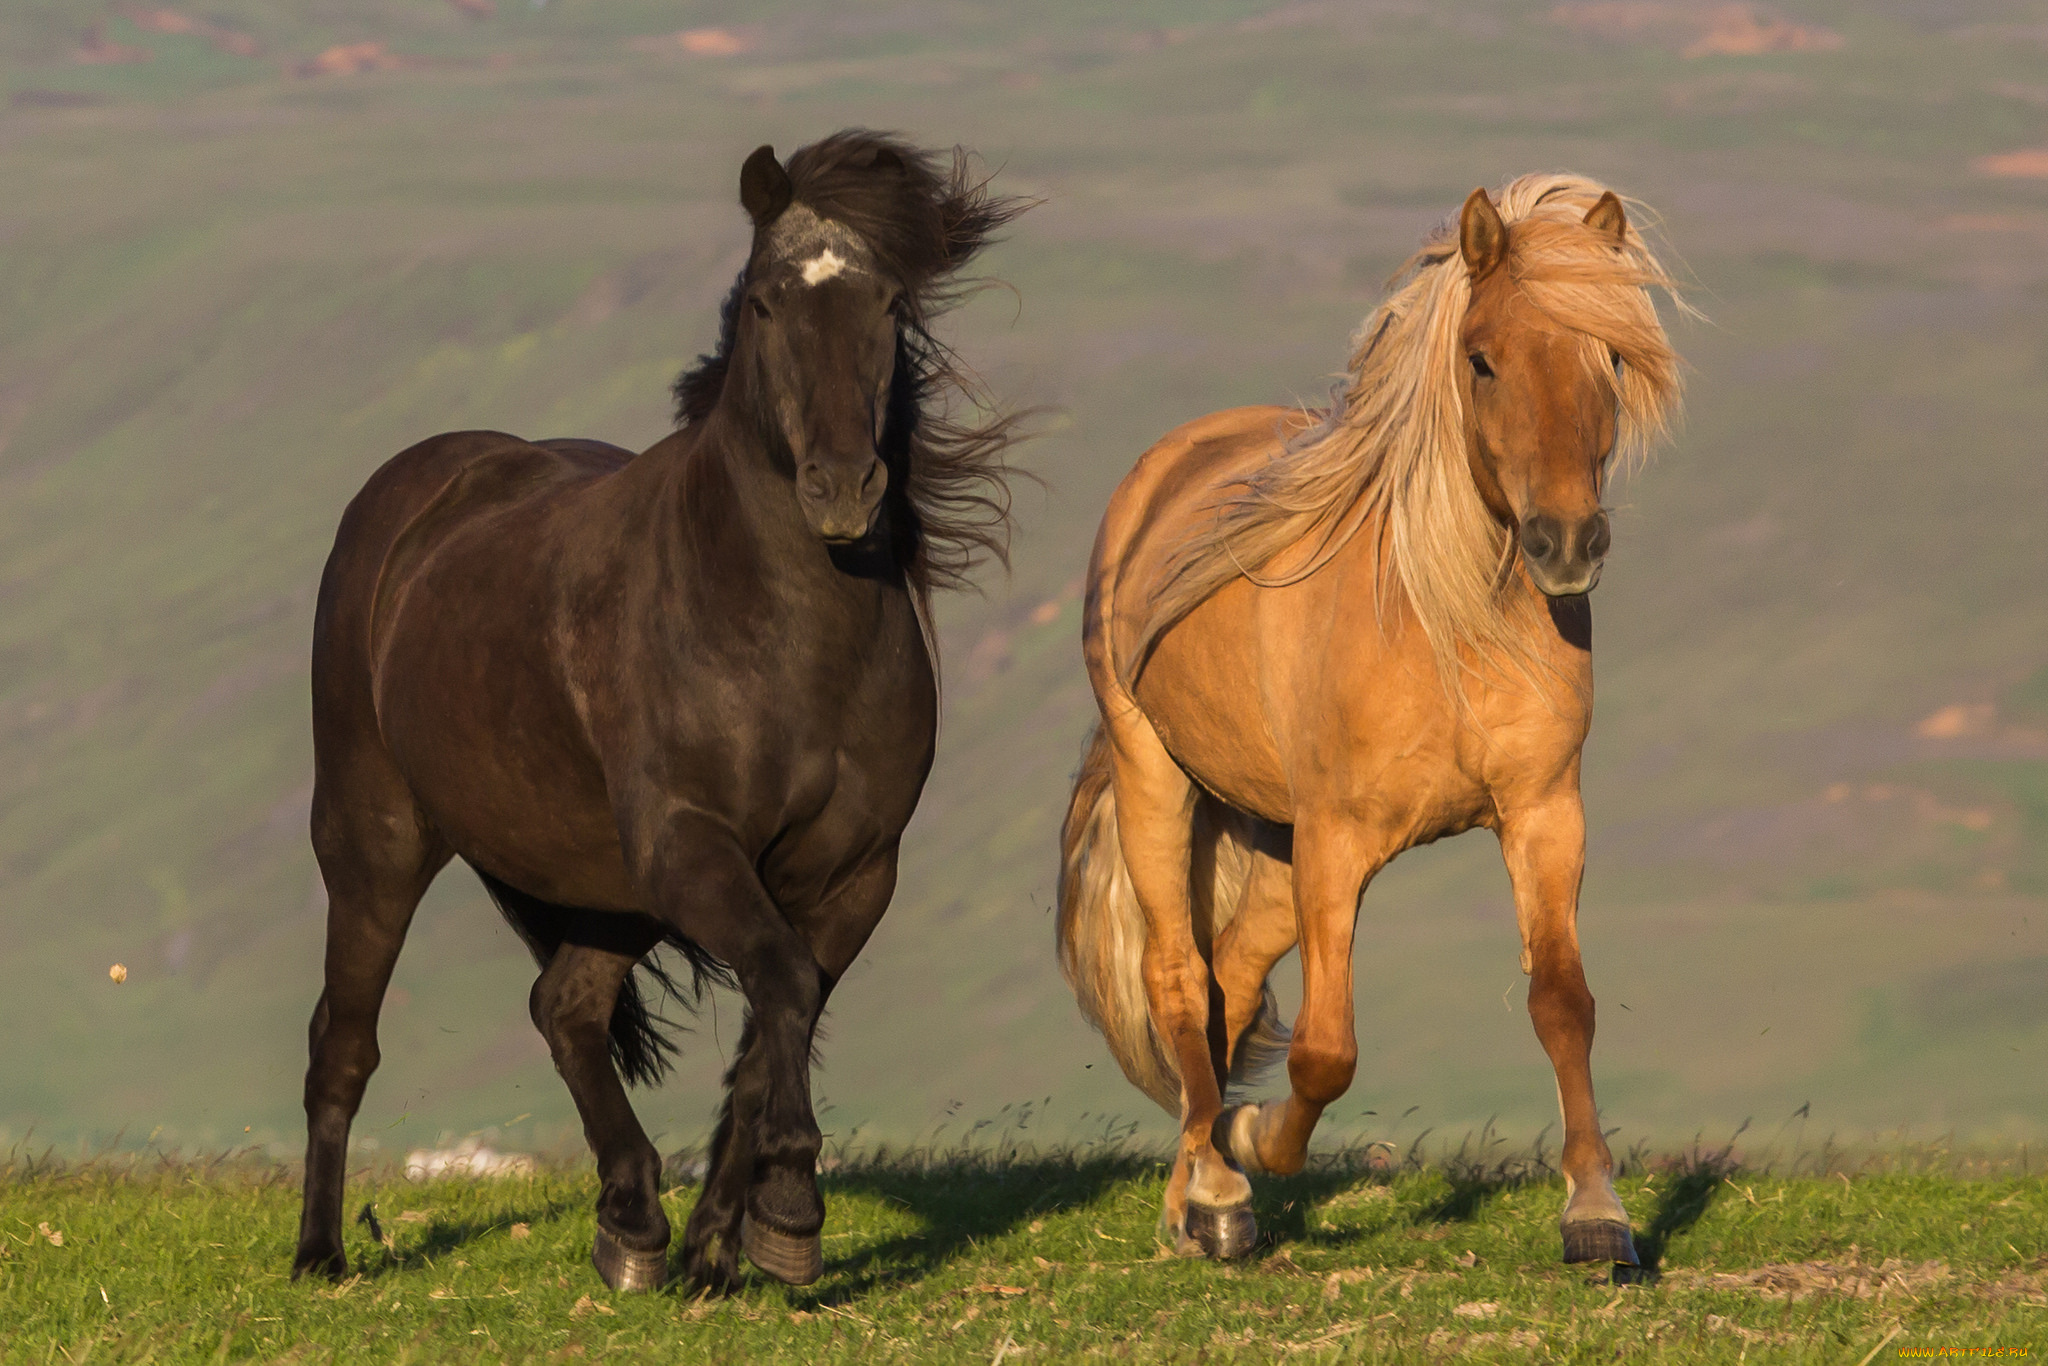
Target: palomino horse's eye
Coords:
[(1615, 358), (1479, 366)]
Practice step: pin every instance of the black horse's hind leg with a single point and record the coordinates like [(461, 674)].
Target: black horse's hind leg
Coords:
[(572, 1007), (376, 859)]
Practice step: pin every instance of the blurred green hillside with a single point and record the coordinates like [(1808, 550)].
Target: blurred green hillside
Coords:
[(249, 250)]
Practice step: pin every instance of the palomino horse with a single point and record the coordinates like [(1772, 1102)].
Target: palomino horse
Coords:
[(1319, 641), (684, 697)]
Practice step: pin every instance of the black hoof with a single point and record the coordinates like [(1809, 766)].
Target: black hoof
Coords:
[(332, 1265), (625, 1269), (1226, 1233), (792, 1258), (1599, 1240)]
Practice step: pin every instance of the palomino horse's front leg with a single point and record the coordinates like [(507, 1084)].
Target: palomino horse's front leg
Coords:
[(1331, 865), (1208, 1200), (1545, 849)]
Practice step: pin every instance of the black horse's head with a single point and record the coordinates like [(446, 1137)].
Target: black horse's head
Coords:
[(816, 338), (823, 349)]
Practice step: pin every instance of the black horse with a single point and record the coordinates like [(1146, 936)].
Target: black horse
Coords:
[(686, 697)]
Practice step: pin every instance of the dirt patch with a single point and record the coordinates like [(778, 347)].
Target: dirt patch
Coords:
[(1798, 1280), (1723, 30), (97, 49), (2029, 163), (698, 42), (353, 59), (232, 41)]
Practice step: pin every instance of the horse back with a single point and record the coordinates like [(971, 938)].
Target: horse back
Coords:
[(402, 513)]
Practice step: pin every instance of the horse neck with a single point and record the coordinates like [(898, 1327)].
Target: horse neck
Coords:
[(729, 516)]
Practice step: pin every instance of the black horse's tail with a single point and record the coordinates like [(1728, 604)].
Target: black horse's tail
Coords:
[(642, 1041)]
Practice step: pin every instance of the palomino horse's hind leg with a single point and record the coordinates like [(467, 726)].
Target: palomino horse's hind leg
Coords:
[(1545, 849), (376, 857), (1332, 860), (572, 1005), (1257, 937), (1208, 1200)]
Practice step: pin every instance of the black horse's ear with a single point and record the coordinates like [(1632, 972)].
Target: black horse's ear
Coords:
[(765, 190), (888, 159)]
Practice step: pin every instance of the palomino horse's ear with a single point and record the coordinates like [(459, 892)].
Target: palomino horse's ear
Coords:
[(765, 190), (1607, 217), (1482, 237)]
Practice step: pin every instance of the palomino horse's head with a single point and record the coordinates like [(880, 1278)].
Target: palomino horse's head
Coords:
[(816, 340), (1541, 406)]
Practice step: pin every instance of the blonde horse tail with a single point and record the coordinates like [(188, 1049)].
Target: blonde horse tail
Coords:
[(1101, 931)]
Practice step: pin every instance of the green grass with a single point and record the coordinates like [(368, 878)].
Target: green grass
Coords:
[(946, 1260)]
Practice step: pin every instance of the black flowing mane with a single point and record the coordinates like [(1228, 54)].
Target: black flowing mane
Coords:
[(946, 440)]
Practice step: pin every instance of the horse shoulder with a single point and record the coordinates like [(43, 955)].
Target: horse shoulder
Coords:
[(1168, 499)]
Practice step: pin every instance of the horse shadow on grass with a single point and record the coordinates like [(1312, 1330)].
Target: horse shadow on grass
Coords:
[(962, 1200), (442, 1236)]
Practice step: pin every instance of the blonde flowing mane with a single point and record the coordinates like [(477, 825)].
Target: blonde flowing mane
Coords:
[(1391, 451)]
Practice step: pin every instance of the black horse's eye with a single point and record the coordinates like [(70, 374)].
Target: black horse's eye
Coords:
[(1479, 366), (760, 309)]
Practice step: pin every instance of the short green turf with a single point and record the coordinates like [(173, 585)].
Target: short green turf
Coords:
[(1052, 1255)]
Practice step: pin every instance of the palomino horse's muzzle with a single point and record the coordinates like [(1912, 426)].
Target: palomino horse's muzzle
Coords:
[(839, 498), (1564, 558)]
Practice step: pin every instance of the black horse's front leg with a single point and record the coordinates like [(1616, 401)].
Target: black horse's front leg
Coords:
[(698, 879)]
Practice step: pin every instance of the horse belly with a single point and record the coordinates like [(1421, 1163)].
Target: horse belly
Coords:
[(491, 753)]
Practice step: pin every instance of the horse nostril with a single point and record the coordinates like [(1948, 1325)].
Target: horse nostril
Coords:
[(813, 483), (1539, 538), (876, 481), (1599, 538)]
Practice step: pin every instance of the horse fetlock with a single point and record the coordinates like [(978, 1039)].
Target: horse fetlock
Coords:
[(1217, 1184), (1593, 1198), (787, 1200), (320, 1257)]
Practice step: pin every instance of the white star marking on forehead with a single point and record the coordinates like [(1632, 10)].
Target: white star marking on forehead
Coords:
[(823, 266)]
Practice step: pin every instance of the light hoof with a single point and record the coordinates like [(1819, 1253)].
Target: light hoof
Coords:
[(624, 1269), (1234, 1134), (1226, 1232), (1599, 1240), (792, 1258)]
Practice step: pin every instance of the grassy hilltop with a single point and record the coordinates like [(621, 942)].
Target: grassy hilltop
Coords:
[(1039, 1259), (1818, 787)]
